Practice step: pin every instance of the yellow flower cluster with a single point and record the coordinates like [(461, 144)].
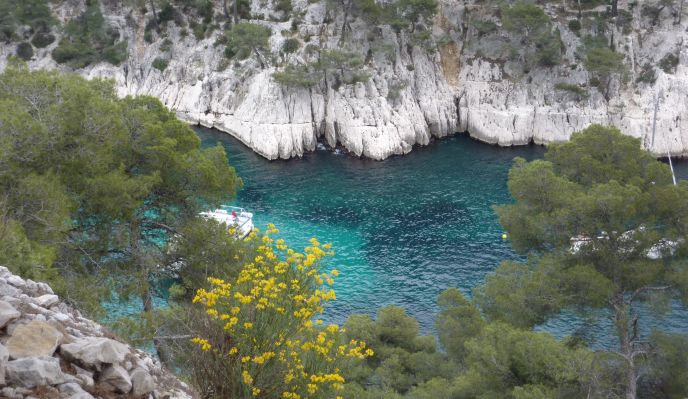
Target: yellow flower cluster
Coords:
[(267, 315)]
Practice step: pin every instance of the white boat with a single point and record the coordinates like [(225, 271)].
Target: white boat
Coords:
[(233, 217), (656, 251)]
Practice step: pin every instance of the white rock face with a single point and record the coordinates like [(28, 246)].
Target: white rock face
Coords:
[(413, 94)]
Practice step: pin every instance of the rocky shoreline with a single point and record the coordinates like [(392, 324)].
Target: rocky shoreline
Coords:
[(48, 350)]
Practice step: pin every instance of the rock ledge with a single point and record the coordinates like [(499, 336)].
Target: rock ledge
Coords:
[(48, 350)]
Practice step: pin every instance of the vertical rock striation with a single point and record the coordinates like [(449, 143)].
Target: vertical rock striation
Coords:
[(413, 95)]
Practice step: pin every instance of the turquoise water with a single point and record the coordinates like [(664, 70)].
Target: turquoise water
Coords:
[(403, 229), (406, 228)]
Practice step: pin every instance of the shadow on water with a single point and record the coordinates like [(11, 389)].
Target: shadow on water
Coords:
[(404, 228)]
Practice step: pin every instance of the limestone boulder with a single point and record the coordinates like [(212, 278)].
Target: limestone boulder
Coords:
[(142, 382), (47, 300), (16, 281), (37, 338), (4, 358), (85, 377), (115, 378), (73, 390), (34, 372), (7, 313), (93, 352)]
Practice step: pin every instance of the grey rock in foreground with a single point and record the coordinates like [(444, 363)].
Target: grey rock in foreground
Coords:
[(35, 372), (51, 351), (34, 339), (94, 351)]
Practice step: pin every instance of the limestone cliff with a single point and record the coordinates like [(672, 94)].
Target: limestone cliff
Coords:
[(463, 82)]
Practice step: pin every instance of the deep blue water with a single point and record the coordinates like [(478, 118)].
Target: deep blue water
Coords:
[(404, 229)]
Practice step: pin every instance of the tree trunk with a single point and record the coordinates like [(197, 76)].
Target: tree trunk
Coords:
[(155, 16), (236, 11), (621, 320), (146, 295), (580, 10), (224, 9), (347, 9), (260, 59), (615, 8)]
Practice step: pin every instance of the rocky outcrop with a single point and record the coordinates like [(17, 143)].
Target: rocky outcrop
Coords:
[(414, 94), (48, 350)]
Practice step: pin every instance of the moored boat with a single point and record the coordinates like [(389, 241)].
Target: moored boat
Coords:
[(234, 217)]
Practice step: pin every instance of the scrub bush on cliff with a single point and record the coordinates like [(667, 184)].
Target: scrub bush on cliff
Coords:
[(533, 28), (89, 39), (259, 337)]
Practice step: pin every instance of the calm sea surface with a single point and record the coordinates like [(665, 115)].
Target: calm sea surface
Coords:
[(404, 229)]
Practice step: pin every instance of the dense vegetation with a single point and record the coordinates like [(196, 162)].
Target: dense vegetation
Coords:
[(92, 186)]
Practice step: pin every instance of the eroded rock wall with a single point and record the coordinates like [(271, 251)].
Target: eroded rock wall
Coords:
[(413, 94)]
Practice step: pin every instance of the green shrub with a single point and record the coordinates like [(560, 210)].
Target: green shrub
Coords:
[(42, 39), (295, 24), (116, 54), (24, 51), (578, 91), (652, 12), (548, 49), (624, 21), (88, 39), (524, 18), (35, 13), (394, 90), (296, 76), (166, 45), (199, 30), (484, 27), (76, 55), (248, 38), (575, 26), (668, 63), (283, 6), (160, 64), (647, 74), (229, 52), (166, 13), (290, 45), (205, 10)]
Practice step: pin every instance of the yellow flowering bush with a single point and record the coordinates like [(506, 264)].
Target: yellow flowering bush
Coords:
[(271, 341)]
